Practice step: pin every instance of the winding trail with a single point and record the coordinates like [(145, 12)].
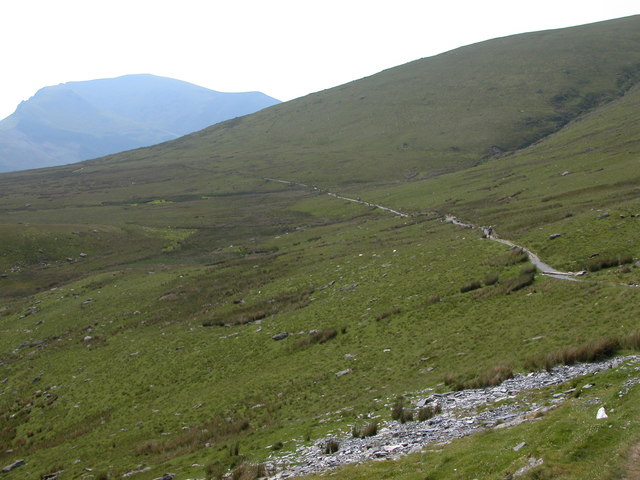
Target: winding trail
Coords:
[(340, 197), (488, 232), (545, 269)]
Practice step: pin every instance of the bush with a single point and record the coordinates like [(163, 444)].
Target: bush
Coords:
[(467, 287)]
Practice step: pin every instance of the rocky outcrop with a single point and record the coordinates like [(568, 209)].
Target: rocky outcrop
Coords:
[(460, 416)]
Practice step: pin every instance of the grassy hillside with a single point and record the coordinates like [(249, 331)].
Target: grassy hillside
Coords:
[(141, 293)]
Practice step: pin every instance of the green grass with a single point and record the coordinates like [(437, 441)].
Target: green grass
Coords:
[(155, 349)]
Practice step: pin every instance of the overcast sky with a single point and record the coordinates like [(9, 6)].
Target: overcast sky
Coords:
[(284, 48)]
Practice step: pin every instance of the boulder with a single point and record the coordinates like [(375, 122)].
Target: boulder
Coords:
[(602, 413)]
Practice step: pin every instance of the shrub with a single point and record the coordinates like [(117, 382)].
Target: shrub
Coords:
[(277, 446), (467, 287), (332, 446)]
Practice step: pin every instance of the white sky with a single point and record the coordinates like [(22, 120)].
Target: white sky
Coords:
[(284, 48)]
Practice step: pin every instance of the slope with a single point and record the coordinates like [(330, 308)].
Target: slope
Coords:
[(142, 307)]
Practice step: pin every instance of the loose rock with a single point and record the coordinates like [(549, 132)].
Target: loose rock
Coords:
[(13, 466)]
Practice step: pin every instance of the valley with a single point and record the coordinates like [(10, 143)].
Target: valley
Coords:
[(226, 303)]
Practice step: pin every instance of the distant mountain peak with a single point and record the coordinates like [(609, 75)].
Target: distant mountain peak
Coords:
[(80, 120)]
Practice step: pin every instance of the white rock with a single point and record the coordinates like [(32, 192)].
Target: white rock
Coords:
[(602, 413)]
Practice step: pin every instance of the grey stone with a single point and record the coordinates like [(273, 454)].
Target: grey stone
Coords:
[(14, 465), (166, 476), (280, 336), (553, 236), (343, 372), (519, 446)]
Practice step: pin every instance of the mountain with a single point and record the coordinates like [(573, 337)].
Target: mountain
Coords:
[(348, 271), (81, 120)]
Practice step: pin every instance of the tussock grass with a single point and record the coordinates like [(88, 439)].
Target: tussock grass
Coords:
[(513, 257), (489, 378), (193, 439), (469, 286), (368, 430), (332, 446), (430, 411), (400, 412), (600, 263), (590, 352), (389, 313), (249, 471), (316, 337)]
